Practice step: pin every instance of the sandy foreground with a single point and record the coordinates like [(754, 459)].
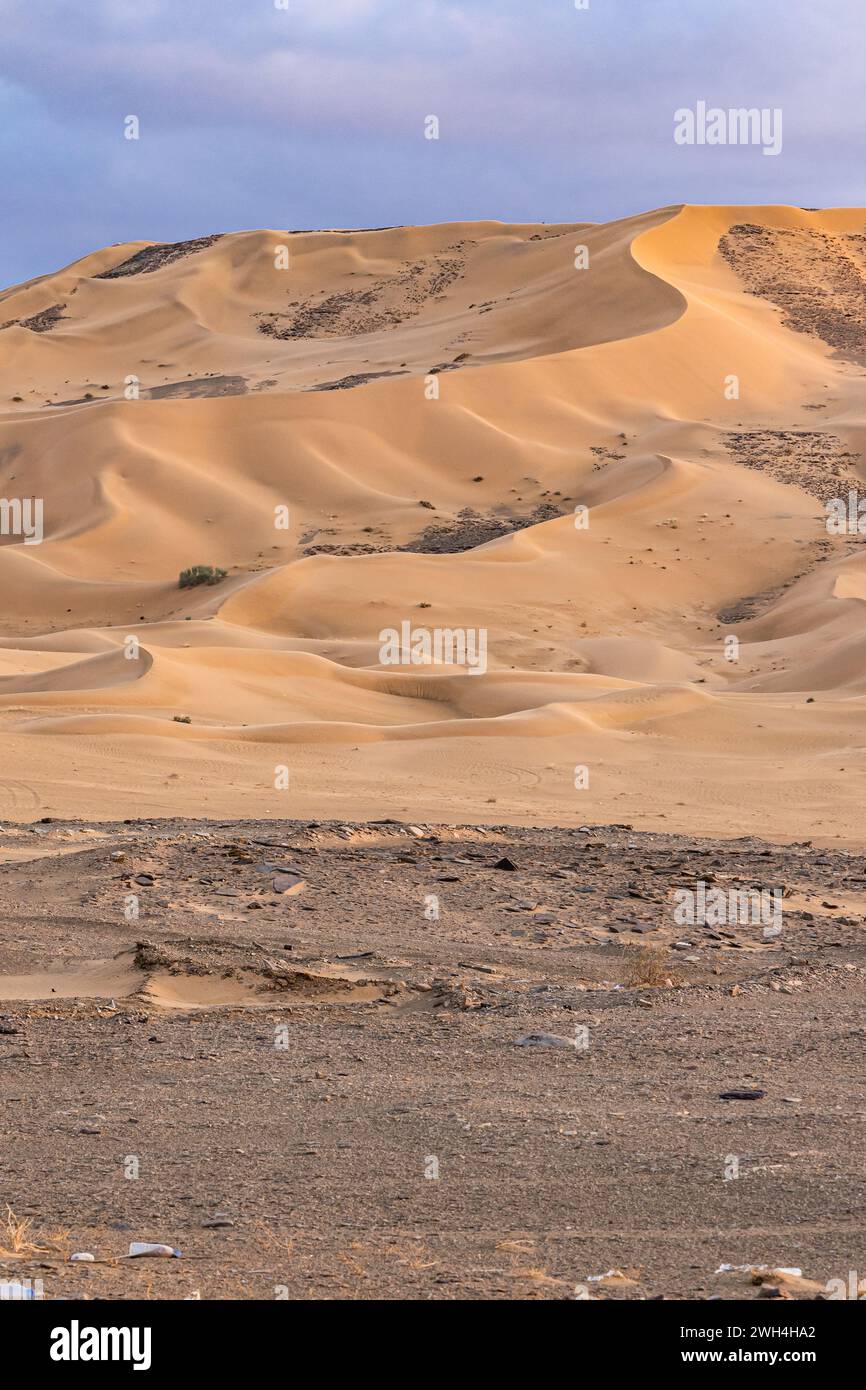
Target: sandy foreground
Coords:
[(376, 428), (293, 1070), (357, 976)]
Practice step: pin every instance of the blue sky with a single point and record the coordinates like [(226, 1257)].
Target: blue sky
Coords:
[(313, 115)]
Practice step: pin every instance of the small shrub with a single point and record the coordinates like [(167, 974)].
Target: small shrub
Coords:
[(181, 719), (646, 965), (200, 574)]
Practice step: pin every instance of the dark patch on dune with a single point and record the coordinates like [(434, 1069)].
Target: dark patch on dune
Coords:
[(385, 303), (817, 279), (42, 322), (742, 610), (346, 383), (465, 531), (460, 360), (809, 459), (193, 388), (199, 386), (157, 256), (361, 548), (470, 529)]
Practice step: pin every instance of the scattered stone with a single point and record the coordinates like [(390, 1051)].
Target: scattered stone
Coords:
[(289, 883)]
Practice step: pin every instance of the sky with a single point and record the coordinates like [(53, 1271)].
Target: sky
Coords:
[(298, 114)]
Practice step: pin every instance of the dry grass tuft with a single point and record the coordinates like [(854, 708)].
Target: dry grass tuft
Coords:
[(19, 1238), (271, 1241), (647, 966)]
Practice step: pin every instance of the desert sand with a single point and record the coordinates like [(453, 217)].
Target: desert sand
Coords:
[(355, 978), (430, 405)]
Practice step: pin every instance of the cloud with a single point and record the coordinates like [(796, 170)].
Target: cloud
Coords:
[(545, 111)]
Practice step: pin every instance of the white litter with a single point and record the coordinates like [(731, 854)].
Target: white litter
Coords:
[(14, 1290)]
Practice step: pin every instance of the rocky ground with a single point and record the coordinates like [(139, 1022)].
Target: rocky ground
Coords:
[(816, 279), (365, 1061)]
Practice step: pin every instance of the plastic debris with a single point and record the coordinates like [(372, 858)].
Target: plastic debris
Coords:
[(144, 1247)]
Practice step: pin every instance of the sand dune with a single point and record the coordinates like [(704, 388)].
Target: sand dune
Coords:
[(424, 408)]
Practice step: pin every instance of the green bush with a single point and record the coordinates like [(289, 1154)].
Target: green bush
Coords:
[(200, 574)]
